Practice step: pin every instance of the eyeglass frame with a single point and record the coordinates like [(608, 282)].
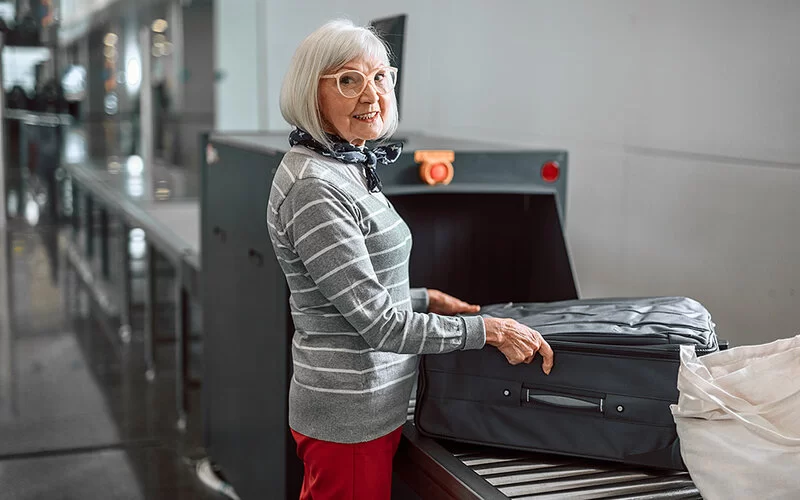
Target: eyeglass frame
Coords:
[(368, 79)]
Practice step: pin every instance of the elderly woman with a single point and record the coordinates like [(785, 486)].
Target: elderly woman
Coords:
[(345, 252)]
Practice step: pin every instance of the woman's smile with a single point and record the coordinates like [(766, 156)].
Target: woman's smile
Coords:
[(367, 117)]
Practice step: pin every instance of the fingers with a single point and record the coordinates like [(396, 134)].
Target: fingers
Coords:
[(469, 308), (538, 344), (442, 303), (525, 344), (547, 356), (461, 307), (534, 344), (544, 349)]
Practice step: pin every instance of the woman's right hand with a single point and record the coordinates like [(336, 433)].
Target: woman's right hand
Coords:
[(517, 342)]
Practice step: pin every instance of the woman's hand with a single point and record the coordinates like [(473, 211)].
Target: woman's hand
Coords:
[(517, 342), (447, 305)]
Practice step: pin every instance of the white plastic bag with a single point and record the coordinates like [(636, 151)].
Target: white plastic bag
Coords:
[(738, 419)]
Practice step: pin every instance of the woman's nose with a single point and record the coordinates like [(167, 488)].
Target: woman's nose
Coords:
[(370, 93)]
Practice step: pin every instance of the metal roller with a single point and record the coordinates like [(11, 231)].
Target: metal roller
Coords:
[(521, 475)]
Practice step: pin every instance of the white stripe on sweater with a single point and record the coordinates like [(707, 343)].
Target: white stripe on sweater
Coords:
[(331, 247), (363, 305), (326, 315), (343, 266), (319, 334), (349, 371), (351, 391), (351, 287), (392, 249), (405, 281), (392, 267), (384, 230), (302, 170), (374, 214), (313, 308), (331, 349), (368, 278), (306, 207), (318, 227), (291, 175), (288, 261), (378, 317)]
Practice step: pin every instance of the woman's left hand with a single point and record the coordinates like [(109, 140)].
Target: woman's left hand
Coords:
[(447, 305)]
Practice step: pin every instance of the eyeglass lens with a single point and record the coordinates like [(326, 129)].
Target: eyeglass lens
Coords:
[(352, 83)]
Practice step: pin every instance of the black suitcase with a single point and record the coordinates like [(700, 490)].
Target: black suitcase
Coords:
[(607, 397)]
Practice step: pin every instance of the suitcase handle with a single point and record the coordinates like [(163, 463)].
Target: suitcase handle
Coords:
[(567, 402)]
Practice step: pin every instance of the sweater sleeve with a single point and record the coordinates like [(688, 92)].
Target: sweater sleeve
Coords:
[(419, 300), (322, 226)]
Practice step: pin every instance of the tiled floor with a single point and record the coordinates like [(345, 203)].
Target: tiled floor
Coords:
[(78, 420)]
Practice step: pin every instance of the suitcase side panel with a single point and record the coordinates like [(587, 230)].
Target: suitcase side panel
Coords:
[(606, 406)]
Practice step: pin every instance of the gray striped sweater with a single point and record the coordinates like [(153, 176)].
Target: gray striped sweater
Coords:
[(359, 328)]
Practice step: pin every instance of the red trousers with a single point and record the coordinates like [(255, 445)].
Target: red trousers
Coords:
[(347, 471)]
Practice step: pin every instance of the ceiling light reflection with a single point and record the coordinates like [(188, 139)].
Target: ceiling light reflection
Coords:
[(32, 212), (160, 25), (135, 165), (135, 187)]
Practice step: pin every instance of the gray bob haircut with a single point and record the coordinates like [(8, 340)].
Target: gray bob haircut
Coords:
[(325, 51)]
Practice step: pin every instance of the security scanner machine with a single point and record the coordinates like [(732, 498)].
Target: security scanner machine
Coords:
[(488, 227)]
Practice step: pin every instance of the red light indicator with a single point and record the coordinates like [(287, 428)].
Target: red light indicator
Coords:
[(550, 171)]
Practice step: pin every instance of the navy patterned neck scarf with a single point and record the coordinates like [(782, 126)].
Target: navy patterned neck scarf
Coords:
[(347, 153)]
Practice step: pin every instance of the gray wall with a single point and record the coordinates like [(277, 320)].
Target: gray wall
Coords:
[(240, 61), (680, 118)]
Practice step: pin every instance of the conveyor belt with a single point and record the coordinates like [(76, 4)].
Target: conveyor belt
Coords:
[(483, 472)]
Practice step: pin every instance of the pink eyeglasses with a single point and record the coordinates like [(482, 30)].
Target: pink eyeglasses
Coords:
[(351, 83)]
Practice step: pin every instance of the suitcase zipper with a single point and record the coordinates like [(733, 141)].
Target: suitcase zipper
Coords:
[(671, 326), (641, 341), (670, 351)]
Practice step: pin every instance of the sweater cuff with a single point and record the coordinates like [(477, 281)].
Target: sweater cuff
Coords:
[(419, 299), (475, 337)]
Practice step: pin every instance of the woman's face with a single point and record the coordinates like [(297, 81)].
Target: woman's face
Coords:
[(355, 119)]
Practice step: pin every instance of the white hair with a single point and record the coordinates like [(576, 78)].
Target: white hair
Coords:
[(325, 51)]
